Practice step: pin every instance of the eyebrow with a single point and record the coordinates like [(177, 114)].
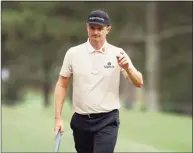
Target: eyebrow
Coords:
[(98, 27)]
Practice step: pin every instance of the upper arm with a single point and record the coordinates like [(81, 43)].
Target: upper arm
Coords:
[(63, 81), (66, 69)]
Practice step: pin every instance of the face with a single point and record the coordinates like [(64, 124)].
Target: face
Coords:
[(97, 33)]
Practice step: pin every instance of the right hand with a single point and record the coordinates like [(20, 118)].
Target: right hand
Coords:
[(59, 126)]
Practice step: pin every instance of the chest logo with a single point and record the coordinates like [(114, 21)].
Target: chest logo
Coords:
[(109, 65)]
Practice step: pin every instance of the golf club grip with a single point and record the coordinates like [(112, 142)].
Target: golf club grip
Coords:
[(58, 139)]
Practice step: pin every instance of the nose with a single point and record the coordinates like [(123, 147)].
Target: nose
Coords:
[(95, 31)]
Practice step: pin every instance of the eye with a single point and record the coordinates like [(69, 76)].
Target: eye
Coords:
[(100, 29), (96, 28), (92, 28)]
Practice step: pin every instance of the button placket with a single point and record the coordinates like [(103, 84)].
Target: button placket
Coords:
[(94, 70)]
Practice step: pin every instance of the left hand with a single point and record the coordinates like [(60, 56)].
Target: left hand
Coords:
[(123, 61)]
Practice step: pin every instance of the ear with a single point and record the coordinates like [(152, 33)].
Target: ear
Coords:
[(108, 29), (87, 27)]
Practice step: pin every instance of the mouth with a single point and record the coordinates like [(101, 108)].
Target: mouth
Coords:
[(95, 36)]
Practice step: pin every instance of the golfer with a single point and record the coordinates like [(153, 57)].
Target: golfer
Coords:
[(95, 67)]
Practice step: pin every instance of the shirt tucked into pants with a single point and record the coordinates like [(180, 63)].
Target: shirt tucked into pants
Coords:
[(95, 133)]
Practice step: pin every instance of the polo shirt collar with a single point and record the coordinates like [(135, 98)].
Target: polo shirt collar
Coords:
[(103, 49)]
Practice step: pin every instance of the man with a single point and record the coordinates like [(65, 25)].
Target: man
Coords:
[(95, 67)]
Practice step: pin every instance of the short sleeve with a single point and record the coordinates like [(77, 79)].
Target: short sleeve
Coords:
[(66, 69)]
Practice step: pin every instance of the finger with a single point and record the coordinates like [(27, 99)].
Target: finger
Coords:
[(124, 60), (57, 129), (62, 129), (119, 58), (124, 64)]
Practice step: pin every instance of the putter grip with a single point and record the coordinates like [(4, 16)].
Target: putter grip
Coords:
[(58, 139)]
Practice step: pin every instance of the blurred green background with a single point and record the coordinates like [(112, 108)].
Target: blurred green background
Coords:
[(156, 35)]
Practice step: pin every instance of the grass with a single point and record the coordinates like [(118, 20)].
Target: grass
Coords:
[(29, 128)]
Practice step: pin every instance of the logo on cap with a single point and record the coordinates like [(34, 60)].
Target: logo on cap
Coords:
[(96, 18)]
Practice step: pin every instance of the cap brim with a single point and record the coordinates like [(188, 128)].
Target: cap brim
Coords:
[(97, 23)]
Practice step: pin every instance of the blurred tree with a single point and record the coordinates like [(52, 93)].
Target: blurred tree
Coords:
[(36, 36), (152, 56), (34, 39), (174, 20)]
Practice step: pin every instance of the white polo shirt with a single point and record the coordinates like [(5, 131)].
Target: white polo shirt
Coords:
[(96, 77)]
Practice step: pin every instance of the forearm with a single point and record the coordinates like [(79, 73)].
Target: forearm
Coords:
[(59, 96), (135, 77)]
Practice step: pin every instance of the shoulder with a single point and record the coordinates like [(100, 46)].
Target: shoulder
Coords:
[(118, 50), (76, 49), (115, 49)]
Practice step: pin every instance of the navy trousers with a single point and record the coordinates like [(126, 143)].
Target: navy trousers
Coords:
[(96, 133)]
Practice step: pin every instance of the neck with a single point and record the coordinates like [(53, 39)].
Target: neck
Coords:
[(97, 45)]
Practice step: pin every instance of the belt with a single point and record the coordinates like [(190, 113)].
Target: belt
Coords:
[(96, 115)]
